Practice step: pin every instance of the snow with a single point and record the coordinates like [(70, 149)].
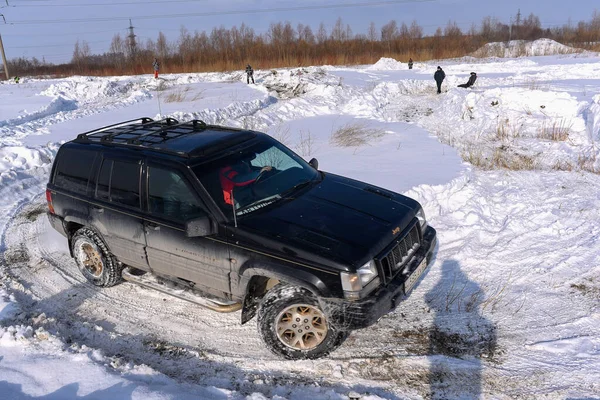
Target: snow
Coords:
[(506, 171), (519, 48)]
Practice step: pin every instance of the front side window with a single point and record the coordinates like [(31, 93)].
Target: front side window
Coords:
[(171, 196), (255, 177)]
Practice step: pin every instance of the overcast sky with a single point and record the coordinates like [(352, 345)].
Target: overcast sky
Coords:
[(49, 28)]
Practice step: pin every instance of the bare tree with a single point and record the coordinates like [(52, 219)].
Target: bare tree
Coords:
[(372, 32), (321, 34)]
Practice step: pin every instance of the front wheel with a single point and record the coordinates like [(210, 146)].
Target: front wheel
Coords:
[(293, 326), (95, 261)]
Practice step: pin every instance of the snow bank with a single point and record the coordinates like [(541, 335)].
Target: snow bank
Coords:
[(523, 48), (385, 64)]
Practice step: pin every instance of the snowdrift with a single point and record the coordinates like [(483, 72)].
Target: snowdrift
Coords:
[(386, 64), (524, 48)]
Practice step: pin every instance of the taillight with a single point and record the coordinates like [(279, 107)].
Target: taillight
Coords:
[(49, 199)]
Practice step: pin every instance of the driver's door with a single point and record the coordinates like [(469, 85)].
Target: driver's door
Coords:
[(172, 201)]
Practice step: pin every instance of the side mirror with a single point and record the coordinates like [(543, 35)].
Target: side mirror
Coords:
[(314, 163), (201, 226)]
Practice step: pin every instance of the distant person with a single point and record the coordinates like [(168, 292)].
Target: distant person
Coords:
[(439, 78), (410, 63), (470, 82), (156, 66), (17, 79), (249, 74)]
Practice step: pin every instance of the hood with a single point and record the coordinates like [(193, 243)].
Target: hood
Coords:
[(339, 219)]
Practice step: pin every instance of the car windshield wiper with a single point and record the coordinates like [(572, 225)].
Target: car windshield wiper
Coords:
[(257, 204), (295, 187)]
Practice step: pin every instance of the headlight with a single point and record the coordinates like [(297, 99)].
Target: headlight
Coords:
[(353, 284), (422, 219), (367, 272)]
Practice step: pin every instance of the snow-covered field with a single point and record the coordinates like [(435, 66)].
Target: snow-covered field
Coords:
[(509, 309)]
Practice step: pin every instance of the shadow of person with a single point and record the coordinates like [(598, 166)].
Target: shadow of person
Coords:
[(69, 391), (460, 336)]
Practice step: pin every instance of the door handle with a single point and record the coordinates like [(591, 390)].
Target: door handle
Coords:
[(153, 226), (98, 209)]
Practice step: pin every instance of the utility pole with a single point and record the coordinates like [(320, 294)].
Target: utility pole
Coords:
[(2, 51), (4, 59), (131, 41), (518, 23)]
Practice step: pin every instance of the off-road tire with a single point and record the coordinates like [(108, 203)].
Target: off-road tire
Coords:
[(110, 272), (275, 302)]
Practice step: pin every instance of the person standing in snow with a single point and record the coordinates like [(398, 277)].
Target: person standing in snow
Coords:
[(249, 74), (410, 63), (156, 66), (470, 82), (439, 78)]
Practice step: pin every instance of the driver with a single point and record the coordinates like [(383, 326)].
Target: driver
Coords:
[(238, 175)]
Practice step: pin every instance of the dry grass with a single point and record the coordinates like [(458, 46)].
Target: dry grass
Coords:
[(283, 135), (305, 146), (588, 163), (555, 130), (355, 135), (501, 158), (505, 130), (177, 96)]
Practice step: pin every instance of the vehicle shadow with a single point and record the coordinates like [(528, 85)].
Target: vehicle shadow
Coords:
[(460, 337), (197, 366)]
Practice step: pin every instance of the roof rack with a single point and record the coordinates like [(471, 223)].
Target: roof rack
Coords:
[(142, 133), (83, 136)]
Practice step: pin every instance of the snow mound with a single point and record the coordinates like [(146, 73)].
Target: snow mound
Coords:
[(524, 48), (385, 64), (57, 106)]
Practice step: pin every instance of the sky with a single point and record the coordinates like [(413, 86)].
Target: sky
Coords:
[(48, 29)]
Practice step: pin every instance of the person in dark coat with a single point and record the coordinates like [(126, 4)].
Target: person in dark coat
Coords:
[(249, 74), (410, 63), (470, 82), (439, 78)]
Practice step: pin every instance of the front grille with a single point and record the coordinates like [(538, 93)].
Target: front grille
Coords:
[(399, 255)]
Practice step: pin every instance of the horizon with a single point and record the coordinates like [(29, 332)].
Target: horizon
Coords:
[(49, 29)]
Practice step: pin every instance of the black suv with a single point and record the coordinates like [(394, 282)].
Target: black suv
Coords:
[(231, 219)]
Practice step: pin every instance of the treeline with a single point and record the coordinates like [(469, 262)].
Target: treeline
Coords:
[(284, 45)]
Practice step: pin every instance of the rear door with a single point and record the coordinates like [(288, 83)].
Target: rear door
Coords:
[(116, 211), (172, 200)]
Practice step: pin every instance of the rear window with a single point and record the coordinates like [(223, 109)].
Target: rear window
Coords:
[(74, 169)]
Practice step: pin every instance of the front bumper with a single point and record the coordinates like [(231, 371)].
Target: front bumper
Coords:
[(349, 315)]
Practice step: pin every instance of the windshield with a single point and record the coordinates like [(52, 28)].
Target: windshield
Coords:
[(254, 177)]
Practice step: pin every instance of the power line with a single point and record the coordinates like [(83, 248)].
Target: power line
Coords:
[(215, 13), (55, 45), (64, 34), (106, 4)]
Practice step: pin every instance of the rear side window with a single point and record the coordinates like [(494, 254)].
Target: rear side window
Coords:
[(74, 169), (125, 183), (119, 182)]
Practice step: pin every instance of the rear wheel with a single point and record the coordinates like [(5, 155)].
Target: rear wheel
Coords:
[(293, 325), (95, 261)]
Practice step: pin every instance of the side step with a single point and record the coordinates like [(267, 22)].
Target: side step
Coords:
[(183, 294)]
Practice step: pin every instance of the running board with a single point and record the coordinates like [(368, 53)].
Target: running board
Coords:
[(182, 294)]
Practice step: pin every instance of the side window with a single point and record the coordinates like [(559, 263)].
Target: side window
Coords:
[(119, 182), (170, 195), (73, 170), (125, 183)]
